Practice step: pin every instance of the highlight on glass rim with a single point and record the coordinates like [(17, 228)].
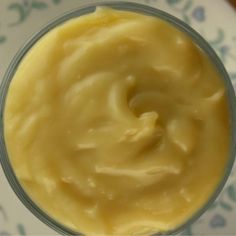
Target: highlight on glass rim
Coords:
[(111, 122)]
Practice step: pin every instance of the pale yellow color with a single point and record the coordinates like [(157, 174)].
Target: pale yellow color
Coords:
[(116, 123)]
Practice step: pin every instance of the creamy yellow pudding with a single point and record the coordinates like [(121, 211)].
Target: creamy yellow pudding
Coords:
[(116, 123)]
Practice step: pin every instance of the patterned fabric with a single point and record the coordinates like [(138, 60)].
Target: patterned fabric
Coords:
[(215, 20)]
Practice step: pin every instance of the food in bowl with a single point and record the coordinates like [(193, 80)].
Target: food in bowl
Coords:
[(112, 121)]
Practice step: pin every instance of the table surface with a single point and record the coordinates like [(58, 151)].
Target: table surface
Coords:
[(215, 20)]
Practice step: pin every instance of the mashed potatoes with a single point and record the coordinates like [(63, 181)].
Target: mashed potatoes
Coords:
[(112, 124)]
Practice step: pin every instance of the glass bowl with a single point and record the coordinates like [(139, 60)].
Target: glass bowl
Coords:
[(128, 6)]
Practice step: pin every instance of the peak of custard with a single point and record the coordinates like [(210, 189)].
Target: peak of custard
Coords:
[(111, 124)]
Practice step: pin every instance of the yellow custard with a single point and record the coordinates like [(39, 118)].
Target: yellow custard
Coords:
[(116, 123)]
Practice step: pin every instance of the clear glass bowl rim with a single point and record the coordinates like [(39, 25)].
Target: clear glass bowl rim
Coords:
[(82, 10)]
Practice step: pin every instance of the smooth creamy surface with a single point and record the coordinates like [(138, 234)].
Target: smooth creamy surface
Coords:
[(117, 124)]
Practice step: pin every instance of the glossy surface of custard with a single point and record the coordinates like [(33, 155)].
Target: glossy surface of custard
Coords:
[(117, 124)]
